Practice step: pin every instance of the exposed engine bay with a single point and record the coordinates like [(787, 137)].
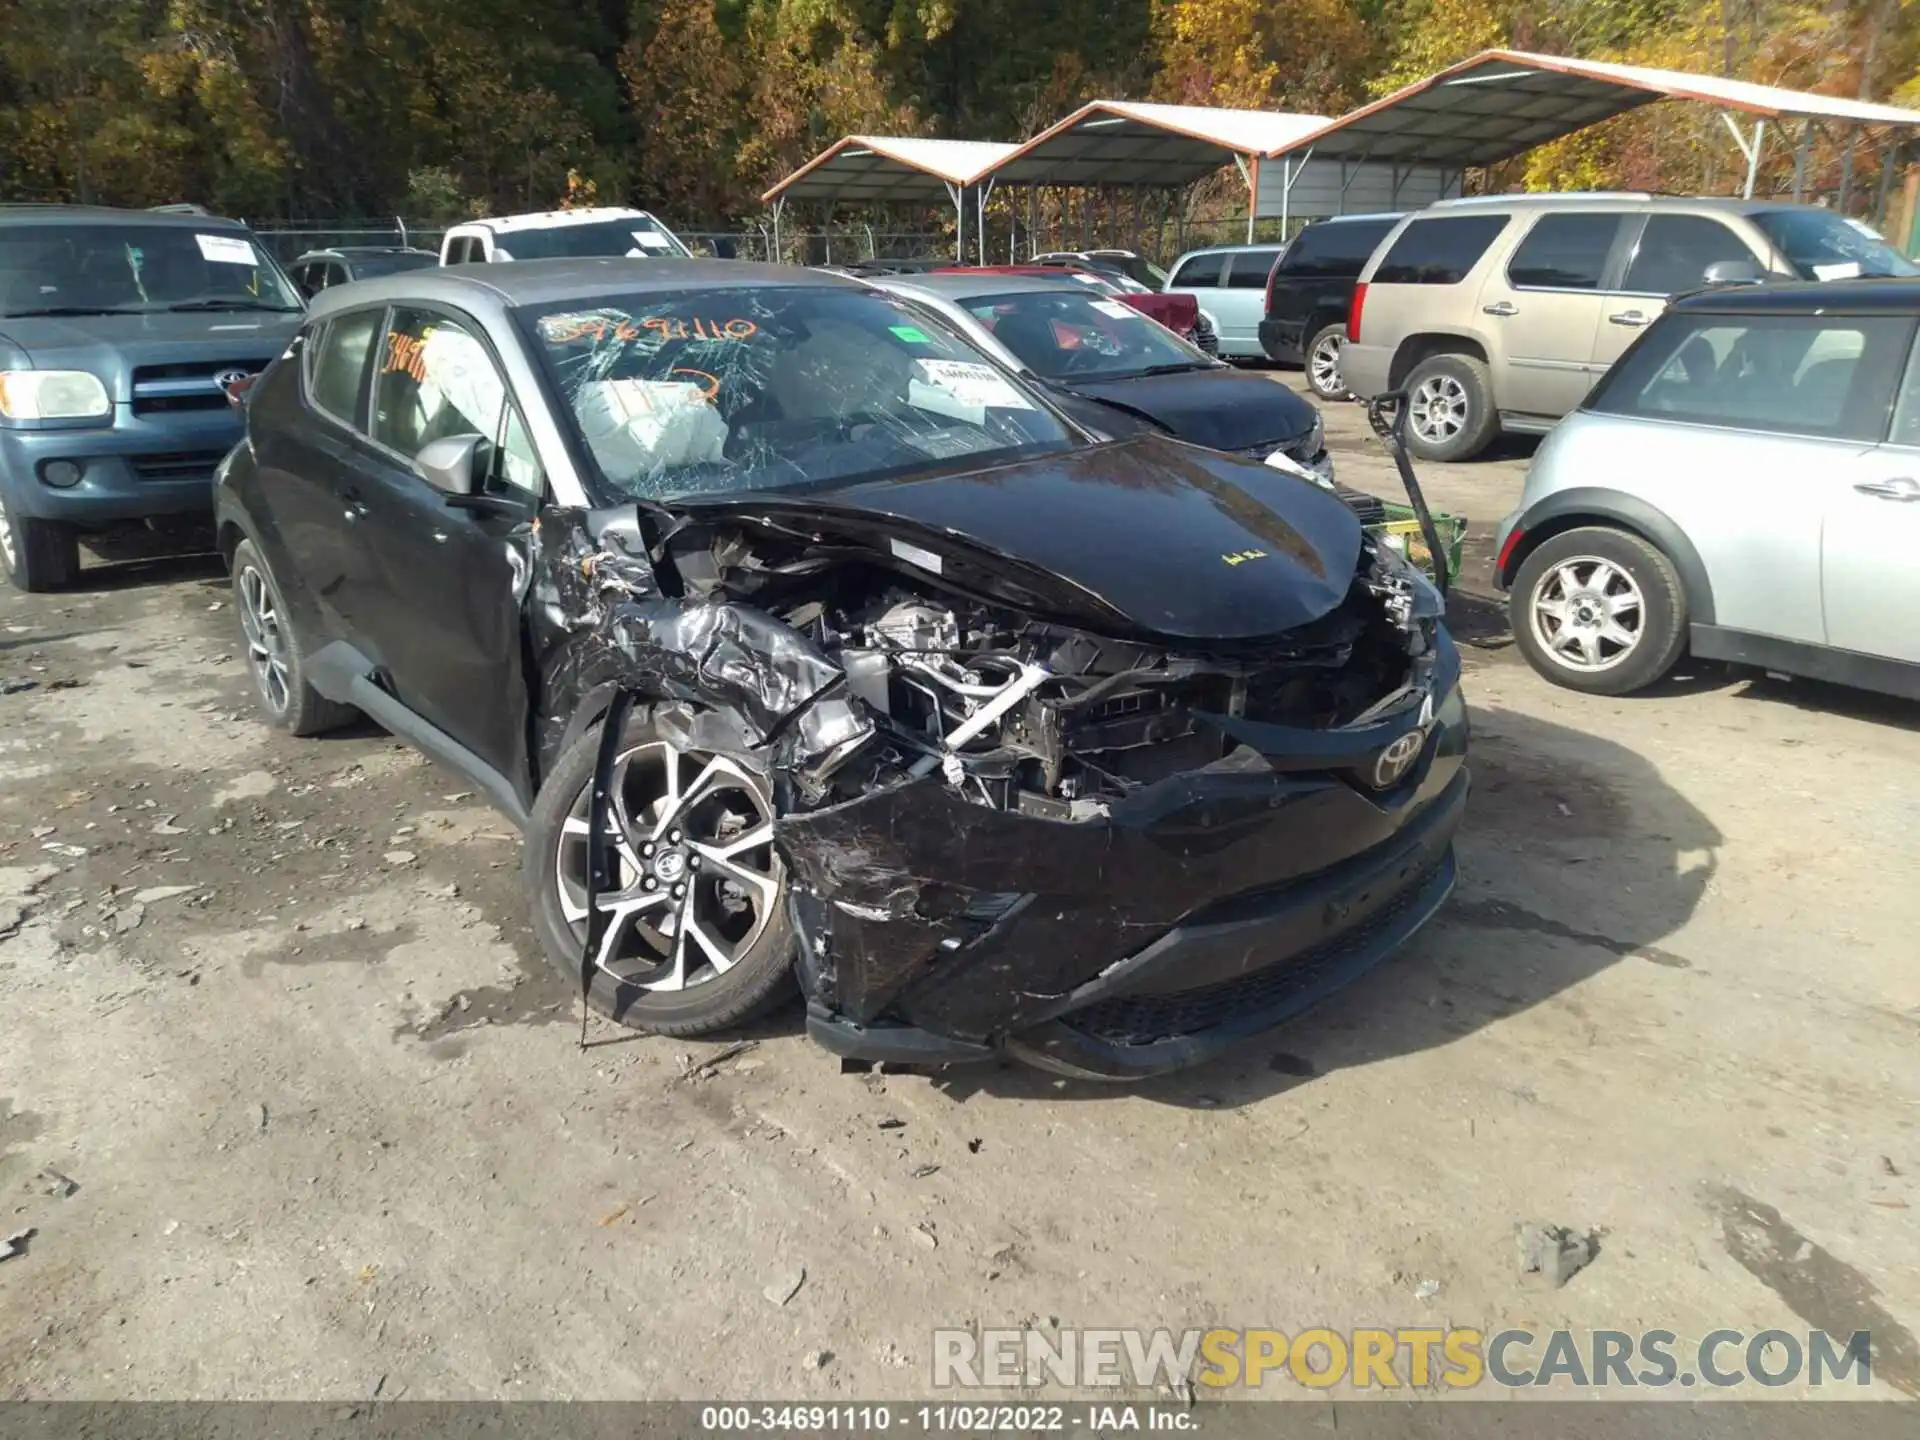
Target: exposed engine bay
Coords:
[(1029, 715)]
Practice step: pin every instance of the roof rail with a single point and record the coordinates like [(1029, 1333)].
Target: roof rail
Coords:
[(1530, 197)]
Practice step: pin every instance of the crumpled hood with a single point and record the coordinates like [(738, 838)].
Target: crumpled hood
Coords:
[(107, 345), (1225, 409), (1145, 536)]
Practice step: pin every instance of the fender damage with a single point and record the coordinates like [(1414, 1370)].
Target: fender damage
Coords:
[(1028, 800)]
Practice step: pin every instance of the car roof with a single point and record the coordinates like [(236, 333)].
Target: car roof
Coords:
[(1231, 249), (1807, 297), (542, 282), (960, 284), (347, 252), (1375, 215), (111, 215), (554, 219)]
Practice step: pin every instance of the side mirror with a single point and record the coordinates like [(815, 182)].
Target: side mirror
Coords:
[(1733, 272), (450, 465)]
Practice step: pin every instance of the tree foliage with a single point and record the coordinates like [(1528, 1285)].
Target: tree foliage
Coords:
[(442, 108)]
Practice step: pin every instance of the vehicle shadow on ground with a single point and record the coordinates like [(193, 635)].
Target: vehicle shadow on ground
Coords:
[(1576, 855), (116, 570), (1821, 698)]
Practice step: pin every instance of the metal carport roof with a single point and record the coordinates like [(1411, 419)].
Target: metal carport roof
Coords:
[(869, 168), (1125, 142), (1502, 103)]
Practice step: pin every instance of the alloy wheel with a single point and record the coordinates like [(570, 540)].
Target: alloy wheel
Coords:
[(1588, 614), (696, 878), (1438, 409), (266, 639), (1323, 365)]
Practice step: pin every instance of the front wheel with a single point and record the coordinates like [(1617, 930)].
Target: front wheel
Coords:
[(40, 555), (1323, 362), (696, 933), (1599, 610)]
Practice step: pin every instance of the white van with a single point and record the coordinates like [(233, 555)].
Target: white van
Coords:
[(558, 234)]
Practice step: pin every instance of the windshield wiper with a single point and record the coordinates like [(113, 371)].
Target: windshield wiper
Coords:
[(72, 310), (1179, 369), (234, 305)]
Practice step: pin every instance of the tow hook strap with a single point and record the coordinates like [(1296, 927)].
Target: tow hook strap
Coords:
[(599, 820)]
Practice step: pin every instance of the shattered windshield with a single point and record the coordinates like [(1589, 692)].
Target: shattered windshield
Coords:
[(1069, 335), (1822, 246), (138, 269), (635, 235), (755, 389)]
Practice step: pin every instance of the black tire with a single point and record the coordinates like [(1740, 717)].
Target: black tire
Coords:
[(1640, 570), (1467, 387), (1332, 337), (275, 657), (761, 973), (40, 555)]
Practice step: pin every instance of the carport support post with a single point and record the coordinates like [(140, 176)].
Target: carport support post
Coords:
[(981, 192), (778, 205), (1800, 160), (1886, 184), (1250, 177), (958, 194), (1750, 149)]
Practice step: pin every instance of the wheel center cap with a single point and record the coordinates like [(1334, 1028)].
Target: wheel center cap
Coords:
[(669, 866)]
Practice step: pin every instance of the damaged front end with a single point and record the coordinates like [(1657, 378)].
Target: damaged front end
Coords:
[(1014, 818)]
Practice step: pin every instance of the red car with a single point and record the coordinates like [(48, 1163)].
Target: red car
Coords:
[(1179, 312)]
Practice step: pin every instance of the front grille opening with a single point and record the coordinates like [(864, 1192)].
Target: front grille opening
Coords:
[(176, 465)]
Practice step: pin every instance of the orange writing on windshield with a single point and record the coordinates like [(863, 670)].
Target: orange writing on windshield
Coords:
[(563, 331)]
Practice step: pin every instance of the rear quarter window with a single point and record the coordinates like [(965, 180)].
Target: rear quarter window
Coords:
[(1830, 377), (337, 356), (1201, 270), (1439, 251), (1334, 251)]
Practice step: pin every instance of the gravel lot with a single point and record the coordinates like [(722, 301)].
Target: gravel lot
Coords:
[(271, 1006)]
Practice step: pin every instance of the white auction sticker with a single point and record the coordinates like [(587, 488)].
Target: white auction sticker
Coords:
[(1088, 279), (1116, 309), (973, 385), (227, 250), (651, 240), (1842, 270)]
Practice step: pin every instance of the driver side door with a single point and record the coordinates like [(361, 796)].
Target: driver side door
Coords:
[(442, 610)]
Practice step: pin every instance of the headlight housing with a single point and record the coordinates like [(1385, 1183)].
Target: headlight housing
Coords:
[(1317, 436), (53, 395), (1428, 602)]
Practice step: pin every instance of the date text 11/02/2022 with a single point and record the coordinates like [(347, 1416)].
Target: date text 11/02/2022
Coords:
[(947, 1419)]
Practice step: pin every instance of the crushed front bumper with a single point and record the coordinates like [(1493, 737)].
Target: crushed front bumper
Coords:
[(1203, 910)]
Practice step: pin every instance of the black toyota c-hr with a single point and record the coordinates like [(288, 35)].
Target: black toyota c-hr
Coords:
[(801, 640)]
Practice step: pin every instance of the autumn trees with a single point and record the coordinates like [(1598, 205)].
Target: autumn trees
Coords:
[(433, 108)]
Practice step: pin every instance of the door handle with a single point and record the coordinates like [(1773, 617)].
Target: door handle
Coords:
[(1630, 317), (1900, 487), (355, 507), (1505, 307)]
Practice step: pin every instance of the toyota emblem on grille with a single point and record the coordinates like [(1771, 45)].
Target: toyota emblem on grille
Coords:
[(1397, 759), (227, 379)]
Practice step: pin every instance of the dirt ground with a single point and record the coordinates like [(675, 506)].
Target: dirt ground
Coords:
[(272, 1008)]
